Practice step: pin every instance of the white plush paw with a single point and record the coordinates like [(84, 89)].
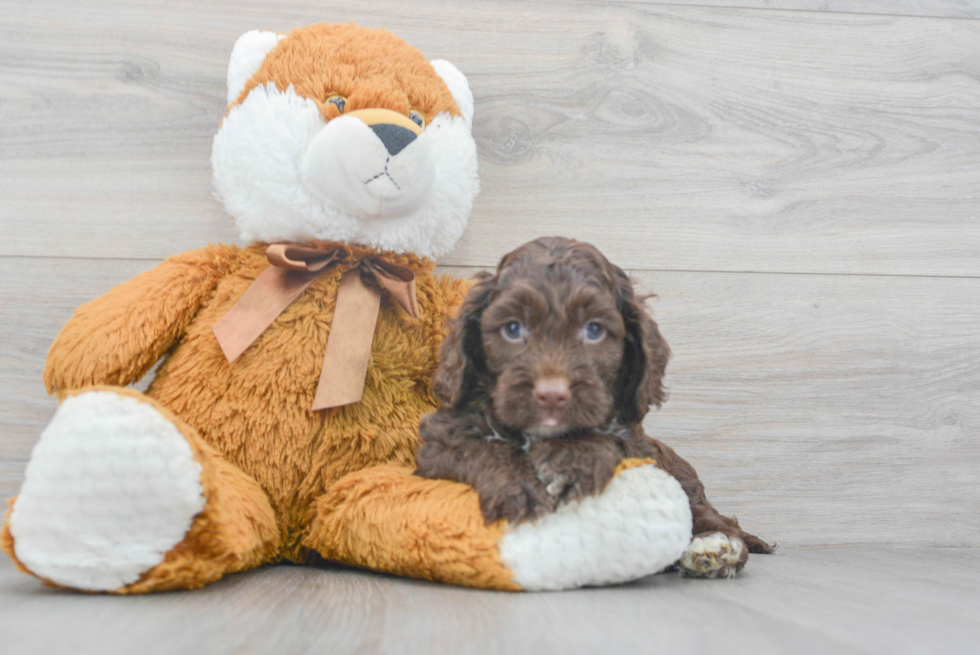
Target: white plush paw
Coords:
[(638, 526), (111, 486), (713, 556)]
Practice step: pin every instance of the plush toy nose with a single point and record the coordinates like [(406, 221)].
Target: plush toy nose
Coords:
[(551, 393), (394, 130), (394, 137)]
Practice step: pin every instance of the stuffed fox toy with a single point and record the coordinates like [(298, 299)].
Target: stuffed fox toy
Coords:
[(283, 418)]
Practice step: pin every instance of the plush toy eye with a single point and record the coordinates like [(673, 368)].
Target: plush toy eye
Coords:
[(337, 101), (594, 331), (513, 331), (417, 117)]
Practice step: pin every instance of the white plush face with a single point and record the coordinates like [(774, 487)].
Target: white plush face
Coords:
[(285, 174)]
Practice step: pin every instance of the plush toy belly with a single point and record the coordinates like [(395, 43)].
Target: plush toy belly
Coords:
[(256, 411), (387, 519)]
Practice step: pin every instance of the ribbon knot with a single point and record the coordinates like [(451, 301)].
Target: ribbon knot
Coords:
[(291, 270)]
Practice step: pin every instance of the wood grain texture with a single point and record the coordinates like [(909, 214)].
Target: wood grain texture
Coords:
[(681, 138), (888, 601), (934, 8), (819, 409), (827, 409)]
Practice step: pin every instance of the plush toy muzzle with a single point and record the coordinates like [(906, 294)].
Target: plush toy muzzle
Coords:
[(371, 164)]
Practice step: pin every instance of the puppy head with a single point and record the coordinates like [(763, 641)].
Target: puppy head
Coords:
[(555, 340)]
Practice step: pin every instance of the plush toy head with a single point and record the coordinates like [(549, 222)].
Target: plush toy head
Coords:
[(342, 133)]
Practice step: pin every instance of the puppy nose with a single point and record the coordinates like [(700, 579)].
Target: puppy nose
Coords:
[(394, 137), (551, 393)]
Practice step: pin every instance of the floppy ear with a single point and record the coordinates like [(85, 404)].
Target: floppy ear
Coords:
[(645, 356), (462, 372)]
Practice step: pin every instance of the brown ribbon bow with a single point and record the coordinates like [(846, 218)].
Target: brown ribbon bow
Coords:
[(292, 269)]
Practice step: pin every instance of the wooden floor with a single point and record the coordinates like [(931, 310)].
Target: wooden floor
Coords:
[(835, 601), (797, 180)]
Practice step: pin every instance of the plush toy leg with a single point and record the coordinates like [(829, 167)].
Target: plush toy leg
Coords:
[(122, 496), (387, 519)]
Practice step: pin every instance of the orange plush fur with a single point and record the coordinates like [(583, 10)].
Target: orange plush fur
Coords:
[(325, 60)]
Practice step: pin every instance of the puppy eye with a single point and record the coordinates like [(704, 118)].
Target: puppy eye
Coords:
[(338, 101), (417, 117), (513, 331), (594, 331)]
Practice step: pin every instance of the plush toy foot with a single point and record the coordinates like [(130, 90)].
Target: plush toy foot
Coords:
[(387, 519), (112, 488), (713, 555)]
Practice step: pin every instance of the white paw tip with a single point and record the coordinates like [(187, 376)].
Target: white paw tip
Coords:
[(638, 526), (111, 487)]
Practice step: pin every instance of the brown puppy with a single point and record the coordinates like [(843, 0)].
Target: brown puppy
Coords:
[(547, 373)]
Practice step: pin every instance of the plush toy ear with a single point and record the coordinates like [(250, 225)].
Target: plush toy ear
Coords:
[(246, 57), (458, 86)]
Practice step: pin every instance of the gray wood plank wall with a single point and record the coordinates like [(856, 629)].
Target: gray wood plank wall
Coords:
[(935, 8), (800, 188)]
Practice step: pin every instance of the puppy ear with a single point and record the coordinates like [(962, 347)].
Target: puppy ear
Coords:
[(645, 356), (462, 372)]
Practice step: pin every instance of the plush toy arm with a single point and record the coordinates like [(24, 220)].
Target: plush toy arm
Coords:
[(387, 519), (117, 337)]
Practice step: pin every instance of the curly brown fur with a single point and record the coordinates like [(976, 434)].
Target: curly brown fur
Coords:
[(541, 415), (467, 449)]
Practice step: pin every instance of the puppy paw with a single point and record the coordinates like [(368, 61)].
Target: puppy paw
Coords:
[(574, 468), (554, 480), (516, 502), (713, 555)]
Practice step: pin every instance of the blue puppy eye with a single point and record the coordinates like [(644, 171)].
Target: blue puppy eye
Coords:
[(594, 331), (513, 331)]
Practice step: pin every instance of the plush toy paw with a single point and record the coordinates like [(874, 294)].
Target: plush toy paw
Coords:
[(636, 527), (111, 487), (714, 555)]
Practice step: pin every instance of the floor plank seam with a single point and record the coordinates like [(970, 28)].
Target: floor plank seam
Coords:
[(810, 273), (631, 271)]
